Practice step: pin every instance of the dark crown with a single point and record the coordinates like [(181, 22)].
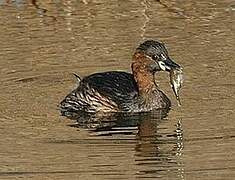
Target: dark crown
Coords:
[(153, 49)]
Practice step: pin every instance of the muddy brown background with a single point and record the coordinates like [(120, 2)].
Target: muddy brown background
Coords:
[(43, 42)]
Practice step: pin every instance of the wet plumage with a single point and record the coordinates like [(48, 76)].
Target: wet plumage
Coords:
[(118, 91)]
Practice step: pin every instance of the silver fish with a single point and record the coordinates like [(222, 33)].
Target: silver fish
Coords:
[(176, 80)]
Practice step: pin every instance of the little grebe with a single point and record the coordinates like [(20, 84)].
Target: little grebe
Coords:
[(117, 91)]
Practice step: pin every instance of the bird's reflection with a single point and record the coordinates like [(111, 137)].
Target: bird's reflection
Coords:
[(122, 121), (158, 148)]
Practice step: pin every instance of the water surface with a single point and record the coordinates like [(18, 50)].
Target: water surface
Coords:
[(43, 42)]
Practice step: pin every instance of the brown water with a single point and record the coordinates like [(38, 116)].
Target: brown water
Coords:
[(43, 42)]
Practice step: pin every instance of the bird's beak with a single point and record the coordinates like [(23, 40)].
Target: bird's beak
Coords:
[(168, 65)]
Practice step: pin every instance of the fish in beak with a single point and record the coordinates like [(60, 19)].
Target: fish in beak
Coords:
[(176, 81), (176, 75)]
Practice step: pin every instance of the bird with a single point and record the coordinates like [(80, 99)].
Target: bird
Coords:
[(119, 91)]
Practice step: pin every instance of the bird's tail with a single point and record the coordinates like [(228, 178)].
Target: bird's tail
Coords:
[(72, 104), (77, 77)]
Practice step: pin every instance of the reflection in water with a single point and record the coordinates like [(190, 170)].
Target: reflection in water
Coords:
[(42, 12), (96, 122), (147, 19), (157, 151), (68, 9), (178, 11), (17, 3)]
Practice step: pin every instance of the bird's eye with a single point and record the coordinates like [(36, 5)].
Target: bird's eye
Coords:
[(155, 57)]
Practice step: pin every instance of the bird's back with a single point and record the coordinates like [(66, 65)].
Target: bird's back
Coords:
[(107, 92)]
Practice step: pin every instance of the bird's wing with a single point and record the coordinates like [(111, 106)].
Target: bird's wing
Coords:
[(120, 87)]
